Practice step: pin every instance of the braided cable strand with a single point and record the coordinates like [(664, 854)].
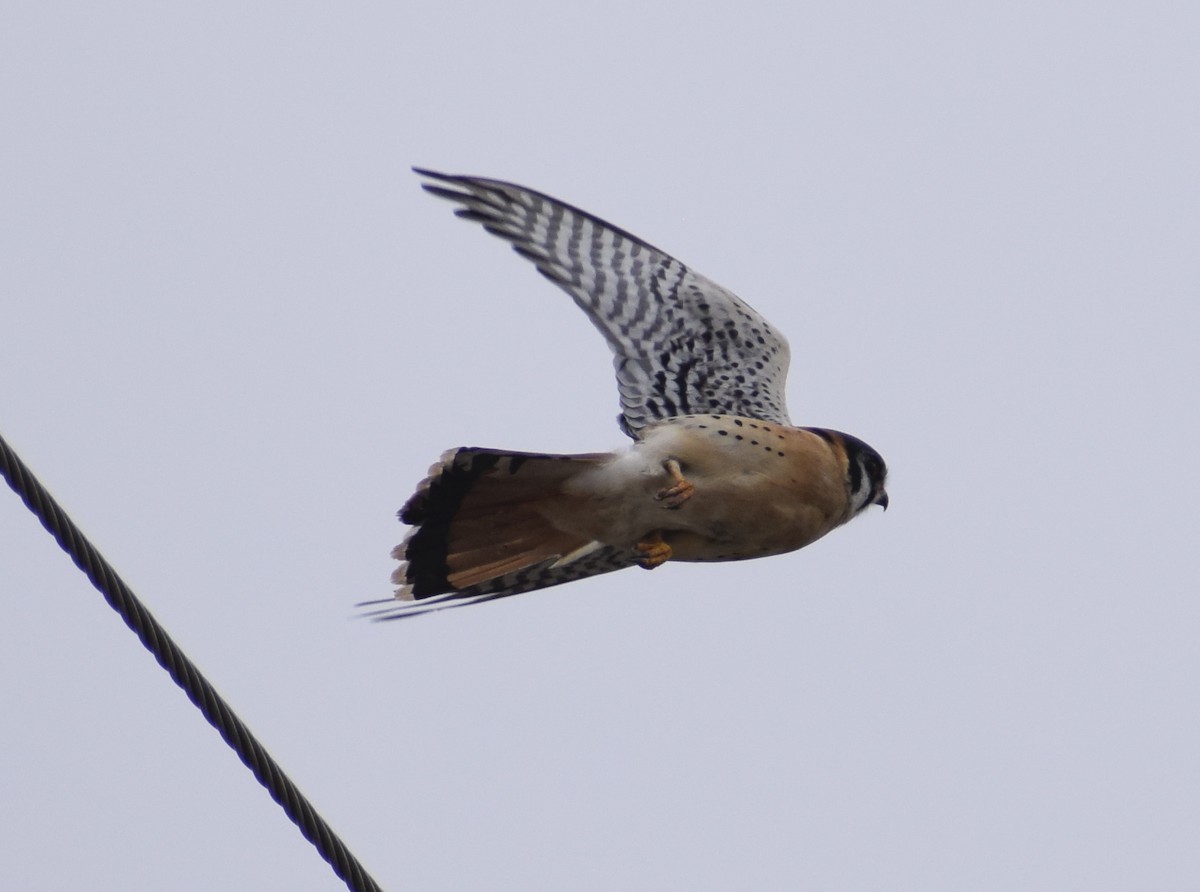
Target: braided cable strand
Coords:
[(183, 671)]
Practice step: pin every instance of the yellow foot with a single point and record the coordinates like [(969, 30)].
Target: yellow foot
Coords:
[(652, 551), (674, 496)]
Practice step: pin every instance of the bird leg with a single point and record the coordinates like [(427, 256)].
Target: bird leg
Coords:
[(674, 496), (652, 551)]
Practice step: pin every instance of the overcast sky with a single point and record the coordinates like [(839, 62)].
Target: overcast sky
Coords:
[(234, 334)]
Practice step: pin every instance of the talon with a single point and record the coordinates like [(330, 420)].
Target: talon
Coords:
[(674, 496), (652, 551)]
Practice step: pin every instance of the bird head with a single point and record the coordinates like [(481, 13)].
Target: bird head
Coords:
[(866, 475)]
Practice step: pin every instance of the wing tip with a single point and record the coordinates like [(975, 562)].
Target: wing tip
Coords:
[(431, 173)]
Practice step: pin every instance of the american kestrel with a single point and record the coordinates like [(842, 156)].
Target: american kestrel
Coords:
[(716, 471)]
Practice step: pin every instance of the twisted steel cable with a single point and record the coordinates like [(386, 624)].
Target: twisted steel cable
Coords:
[(235, 733)]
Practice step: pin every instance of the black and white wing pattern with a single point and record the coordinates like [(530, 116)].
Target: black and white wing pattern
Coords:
[(682, 344)]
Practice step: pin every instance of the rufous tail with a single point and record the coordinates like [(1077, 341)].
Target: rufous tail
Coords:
[(479, 515)]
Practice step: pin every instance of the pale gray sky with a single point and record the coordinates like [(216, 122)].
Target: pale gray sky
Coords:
[(235, 334)]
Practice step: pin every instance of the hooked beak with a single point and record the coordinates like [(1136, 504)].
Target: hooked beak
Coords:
[(882, 499)]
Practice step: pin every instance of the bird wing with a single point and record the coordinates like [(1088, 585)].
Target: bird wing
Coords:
[(604, 559), (682, 344)]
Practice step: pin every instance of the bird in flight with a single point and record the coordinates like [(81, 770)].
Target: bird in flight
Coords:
[(716, 471)]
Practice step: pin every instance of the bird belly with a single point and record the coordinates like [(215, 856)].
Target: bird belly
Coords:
[(760, 489)]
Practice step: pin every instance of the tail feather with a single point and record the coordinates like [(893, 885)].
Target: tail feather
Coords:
[(545, 544), (475, 554), (480, 526), (487, 562)]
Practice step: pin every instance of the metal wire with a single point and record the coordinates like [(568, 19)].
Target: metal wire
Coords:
[(183, 671)]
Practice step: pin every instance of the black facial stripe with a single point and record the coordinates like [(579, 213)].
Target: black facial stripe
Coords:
[(855, 473)]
